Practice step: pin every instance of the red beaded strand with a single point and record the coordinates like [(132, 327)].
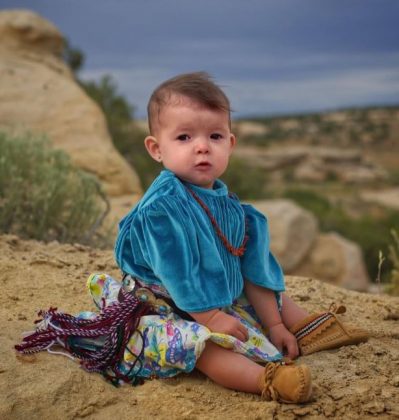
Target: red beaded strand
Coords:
[(238, 252)]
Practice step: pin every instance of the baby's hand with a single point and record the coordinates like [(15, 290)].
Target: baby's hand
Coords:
[(227, 324), (284, 340)]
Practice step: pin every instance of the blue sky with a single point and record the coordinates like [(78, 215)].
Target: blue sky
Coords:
[(271, 56)]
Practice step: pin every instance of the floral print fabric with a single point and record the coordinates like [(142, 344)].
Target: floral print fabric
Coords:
[(168, 344)]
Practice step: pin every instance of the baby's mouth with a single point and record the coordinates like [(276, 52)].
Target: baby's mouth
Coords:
[(203, 165)]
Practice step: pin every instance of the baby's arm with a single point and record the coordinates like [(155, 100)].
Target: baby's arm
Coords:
[(265, 305), (220, 322)]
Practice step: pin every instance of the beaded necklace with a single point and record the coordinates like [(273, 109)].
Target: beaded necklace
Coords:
[(238, 252)]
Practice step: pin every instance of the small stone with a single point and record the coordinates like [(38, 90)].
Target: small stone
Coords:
[(337, 394), (303, 411), (12, 239), (395, 381), (374, 407)]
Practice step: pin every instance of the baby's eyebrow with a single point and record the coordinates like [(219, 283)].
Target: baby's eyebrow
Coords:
[(218, 129)]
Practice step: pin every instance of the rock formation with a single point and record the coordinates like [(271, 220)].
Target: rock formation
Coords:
[(293, 230), (302, 250), (39, 94), (314, 163), (336, 260)]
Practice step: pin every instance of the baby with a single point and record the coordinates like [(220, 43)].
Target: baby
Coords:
[(208, 252), (200, 259)]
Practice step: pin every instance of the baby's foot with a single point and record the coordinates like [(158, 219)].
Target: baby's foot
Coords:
[(286, 382), (324, 331)]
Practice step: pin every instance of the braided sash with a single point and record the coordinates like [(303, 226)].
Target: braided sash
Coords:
[(115, 325)]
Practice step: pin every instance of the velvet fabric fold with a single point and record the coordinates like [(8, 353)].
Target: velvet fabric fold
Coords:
[(168, 240)]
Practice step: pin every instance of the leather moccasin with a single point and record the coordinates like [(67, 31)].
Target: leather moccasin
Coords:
[(324, 331), (286, 382)]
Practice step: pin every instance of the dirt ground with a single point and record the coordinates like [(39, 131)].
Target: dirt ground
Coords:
[(351, 382)]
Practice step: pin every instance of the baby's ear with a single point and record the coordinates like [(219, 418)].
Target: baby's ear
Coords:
[(152, 146), (233, 141)]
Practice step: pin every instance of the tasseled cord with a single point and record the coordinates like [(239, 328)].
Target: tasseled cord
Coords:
[(115, 324)]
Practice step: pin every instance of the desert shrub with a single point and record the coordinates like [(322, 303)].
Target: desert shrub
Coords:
[(246, 180), (42, 195), (127, 138), (393, 176), (117, 110), (315, 203), (393, 285), (133, 150)]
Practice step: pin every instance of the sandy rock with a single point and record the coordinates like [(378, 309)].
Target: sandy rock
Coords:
[(249, 128), (39, 94), (292, 230), (355, 174), (310, 170), (387, 198), (270, 159), (336, 260), (314, 163)]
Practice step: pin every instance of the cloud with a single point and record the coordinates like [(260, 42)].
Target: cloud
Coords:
[(270, 85), (354, 87)]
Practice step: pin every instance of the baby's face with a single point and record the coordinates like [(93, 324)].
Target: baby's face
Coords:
[(193, 141)]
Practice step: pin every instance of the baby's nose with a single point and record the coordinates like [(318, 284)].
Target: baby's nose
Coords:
[(202, 145)]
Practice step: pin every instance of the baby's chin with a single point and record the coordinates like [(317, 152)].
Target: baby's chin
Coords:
[(202, 183)]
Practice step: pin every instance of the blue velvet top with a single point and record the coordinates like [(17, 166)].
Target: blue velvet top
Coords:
[(167, 239)]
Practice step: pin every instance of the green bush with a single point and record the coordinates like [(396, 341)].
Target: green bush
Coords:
[(310, 200), (246, 180), (393, 285), (127, 138), (117, 110), (42, 195)]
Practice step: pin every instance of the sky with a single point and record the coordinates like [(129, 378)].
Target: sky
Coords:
[(270, 56)]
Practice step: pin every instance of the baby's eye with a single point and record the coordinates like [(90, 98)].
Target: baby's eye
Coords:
[(183, 137), (216, 136)]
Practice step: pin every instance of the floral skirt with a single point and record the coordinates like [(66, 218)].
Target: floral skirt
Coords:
[(166, 345)]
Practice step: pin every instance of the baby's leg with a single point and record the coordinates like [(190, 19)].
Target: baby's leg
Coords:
[(277, 381), (229, 369), (291, 313)]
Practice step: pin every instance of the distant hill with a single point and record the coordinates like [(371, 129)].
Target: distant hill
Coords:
[(347, 127)]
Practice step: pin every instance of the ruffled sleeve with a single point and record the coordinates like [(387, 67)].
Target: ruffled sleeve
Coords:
[(258, 264), (163, 242)]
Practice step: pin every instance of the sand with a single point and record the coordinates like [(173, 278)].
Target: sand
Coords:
[(352, 382)]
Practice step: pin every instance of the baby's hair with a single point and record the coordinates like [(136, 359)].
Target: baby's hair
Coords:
[(198, 86)]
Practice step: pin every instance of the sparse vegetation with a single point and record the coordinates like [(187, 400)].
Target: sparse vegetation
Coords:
[(43, 196), (393, 285), (341, 127), (127, 138), (245, 180)]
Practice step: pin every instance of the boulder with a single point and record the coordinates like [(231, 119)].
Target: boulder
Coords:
[(293, 231), (38, 93), (336, 260)]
